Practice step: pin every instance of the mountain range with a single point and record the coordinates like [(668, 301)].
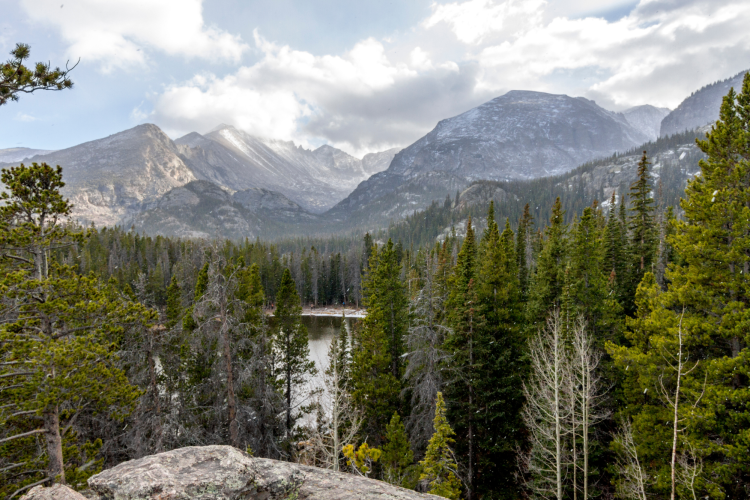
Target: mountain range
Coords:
[(110, 180), (227, 183)]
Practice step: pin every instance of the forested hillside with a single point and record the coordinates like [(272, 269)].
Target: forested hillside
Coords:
[(589, 340)]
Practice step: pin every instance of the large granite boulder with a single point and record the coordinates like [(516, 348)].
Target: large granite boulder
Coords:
[(226, 473), (54, 492)]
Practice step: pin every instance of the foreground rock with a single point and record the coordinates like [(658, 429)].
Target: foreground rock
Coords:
[(54, 492), (225, 473)]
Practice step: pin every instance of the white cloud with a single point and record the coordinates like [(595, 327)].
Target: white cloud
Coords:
[(648, 56), (117, 32), (360, 101), (472, 21), (23, 117), (383, 93)]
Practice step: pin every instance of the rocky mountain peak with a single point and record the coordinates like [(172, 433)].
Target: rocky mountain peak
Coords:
[(519, 135)]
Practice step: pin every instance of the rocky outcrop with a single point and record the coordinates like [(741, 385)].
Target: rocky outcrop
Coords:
[(226, 473), (54, 492)]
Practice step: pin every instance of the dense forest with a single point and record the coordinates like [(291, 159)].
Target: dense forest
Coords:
[(582, 354)]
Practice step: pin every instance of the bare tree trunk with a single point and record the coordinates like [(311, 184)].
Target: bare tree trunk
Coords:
[(629, 466), (154, 390), (547, 413), (55, 465), (676, 408), (587, 393), (234, 438)]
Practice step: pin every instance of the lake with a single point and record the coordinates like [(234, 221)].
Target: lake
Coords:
[(320, 331)]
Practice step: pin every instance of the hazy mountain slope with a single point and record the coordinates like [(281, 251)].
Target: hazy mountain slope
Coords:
[(111, 178), (674, 161), (646, 118), (701, 108), (316, 180), (201, 209), (198, 209), (10, 155), (387, 197), (372, 163)]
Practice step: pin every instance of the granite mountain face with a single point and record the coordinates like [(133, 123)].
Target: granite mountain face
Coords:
[(112, 178), (701, 108), (520, 135)]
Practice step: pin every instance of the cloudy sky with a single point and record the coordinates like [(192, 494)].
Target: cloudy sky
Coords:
[(361, 75)]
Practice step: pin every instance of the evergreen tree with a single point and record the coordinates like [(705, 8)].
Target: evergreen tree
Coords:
[(501, 366), (523, 249), (643, 242), (546, 289), (467, 349), (16, 78), (439, 468), (588, 288), (58, 336), (174, 303), (397, 455), (291, 346), (688, 354), (613, 264), (376, 362)]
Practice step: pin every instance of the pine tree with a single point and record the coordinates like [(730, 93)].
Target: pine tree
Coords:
[(546, 289), (439, 468), (467, 349), (397, 455), (588, 285), (58, 337), (291, 346), (16, 78), (523, 249), (642, 229), (613, 264), (501, 365), (174, 303), (376, 363)]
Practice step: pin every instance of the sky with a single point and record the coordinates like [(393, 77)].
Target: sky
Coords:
[(362, 76)]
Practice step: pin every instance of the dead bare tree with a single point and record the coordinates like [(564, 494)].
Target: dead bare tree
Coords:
[(586, 393), (633, 478), (547, 411), (690, 469), (425, 355)]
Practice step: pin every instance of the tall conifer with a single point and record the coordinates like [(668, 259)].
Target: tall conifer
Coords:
[(290, 343)]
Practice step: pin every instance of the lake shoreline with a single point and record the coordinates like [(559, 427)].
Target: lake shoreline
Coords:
[(330, 311)]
